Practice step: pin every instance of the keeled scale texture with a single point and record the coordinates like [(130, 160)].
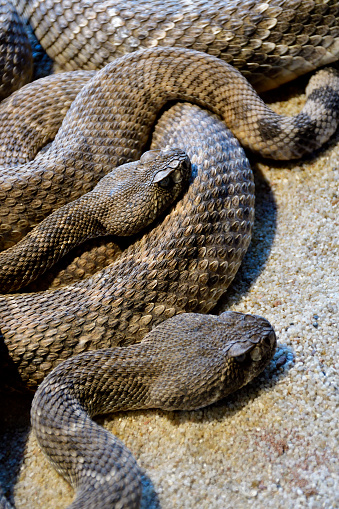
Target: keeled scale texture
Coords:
[(110, 120), (187, 362), (31, 117), (16, 62), (82, 262), (285, 422), (245, 490), (184, 264), (123, 203), (270, 42)]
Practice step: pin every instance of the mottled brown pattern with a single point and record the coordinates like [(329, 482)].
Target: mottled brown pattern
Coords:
[(109, 123), (184, 264), (270, 42), (190, 258), (185, 363), (31, 117), (124, 202)]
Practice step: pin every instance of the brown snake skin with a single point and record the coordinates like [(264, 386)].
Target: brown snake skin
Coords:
[(162, 270), (270, 42), (106, 142), (168, 282), (124, 202), (209, 358), (157, 76), (184, 264)]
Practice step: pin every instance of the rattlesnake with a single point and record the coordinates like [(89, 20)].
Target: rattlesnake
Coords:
[(125, 201), (162, 274), (173, 270), (270, 42), (186, 362)]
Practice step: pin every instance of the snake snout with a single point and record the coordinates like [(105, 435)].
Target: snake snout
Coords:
[(258, 346), (266, 348), (268, 344), (174, 168)]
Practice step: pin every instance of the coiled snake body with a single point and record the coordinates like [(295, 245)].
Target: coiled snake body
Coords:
[(184, 264), (270, 42)]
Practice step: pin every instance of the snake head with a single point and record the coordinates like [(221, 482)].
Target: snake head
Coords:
[(250, 345), (208, 357), (135, 194), (172, 171)]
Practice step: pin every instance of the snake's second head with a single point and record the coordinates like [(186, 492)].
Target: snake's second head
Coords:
[(251, 344), (211, 356), (136, 193)]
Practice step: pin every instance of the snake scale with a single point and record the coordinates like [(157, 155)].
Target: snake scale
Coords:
[(270, 42), (124, 202), (189, 259)]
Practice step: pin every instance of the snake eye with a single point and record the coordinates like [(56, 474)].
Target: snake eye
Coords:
[(166, 183), (240, 358)]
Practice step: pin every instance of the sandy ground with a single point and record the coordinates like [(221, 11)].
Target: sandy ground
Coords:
[(274, 444)]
